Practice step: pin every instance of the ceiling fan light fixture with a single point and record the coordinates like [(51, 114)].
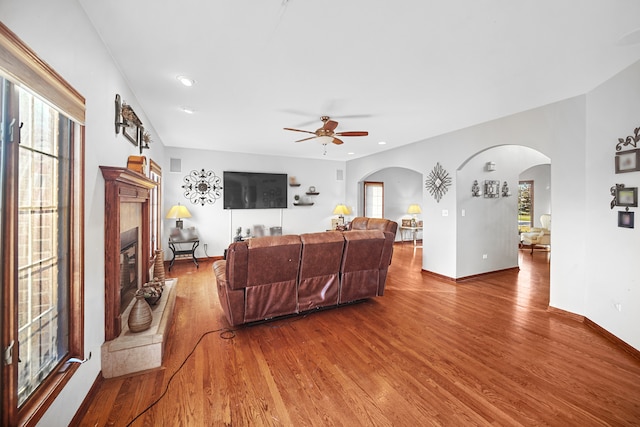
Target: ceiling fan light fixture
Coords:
[(186, 81)]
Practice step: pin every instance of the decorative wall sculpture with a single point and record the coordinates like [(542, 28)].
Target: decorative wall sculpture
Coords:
[(202, 187), (628, 160), (438, 182)]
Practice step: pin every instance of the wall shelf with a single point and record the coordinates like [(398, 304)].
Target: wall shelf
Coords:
[(311, 194), (303, 204)]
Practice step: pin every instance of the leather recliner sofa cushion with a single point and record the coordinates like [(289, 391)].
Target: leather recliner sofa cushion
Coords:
[(361, 264), (319, 280)]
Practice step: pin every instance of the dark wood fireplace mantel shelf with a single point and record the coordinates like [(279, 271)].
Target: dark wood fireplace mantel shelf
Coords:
[(122, 185)]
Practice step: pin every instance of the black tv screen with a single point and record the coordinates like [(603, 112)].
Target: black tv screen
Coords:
[(254, 190)]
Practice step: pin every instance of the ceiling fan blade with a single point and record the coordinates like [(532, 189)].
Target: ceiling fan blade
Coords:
[(300, 130), (330, 125), (353, 116), (306, 139), (353, 133), (337, 141)]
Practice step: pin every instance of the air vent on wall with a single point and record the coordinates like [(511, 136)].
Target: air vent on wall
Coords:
[(175, 165)]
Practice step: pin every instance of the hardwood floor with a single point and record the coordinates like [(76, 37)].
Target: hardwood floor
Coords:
[(429, 352)]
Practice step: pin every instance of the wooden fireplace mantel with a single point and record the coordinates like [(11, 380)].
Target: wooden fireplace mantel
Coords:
[(122, 185)]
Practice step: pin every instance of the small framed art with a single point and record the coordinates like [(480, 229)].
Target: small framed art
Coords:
[(625, 219), (491, 189), (628, 161), (627, 196)]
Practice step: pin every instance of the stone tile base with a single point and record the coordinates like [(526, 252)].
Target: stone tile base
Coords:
[(138, 351)]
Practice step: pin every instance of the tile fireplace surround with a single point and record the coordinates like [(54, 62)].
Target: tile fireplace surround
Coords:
[(134, 352)]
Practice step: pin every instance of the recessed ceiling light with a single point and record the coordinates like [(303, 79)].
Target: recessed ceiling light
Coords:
[(188, 110), (186, 81), (351, 153), (381, 143)]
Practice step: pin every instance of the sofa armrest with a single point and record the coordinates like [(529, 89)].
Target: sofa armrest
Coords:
[(220, 270), (231, 301)]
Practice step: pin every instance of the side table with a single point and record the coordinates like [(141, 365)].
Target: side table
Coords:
[(185, 246), (413, 230)]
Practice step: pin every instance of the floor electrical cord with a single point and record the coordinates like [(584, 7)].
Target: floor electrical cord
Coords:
[(225, 333)]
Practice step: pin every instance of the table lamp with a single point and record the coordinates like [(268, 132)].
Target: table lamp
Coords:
[(341, 210), (414, 210), (178, 212)]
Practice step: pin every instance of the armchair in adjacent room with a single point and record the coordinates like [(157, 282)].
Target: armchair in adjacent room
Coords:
[(538, 236)]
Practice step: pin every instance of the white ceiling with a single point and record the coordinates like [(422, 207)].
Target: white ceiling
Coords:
[(402, 70)]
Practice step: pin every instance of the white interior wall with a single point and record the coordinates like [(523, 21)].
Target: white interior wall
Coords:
[(61, 35), (488, 227), (545, 130), (611, 278), (217, 226)]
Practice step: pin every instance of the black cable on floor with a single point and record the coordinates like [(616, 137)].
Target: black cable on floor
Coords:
[(225, 333)]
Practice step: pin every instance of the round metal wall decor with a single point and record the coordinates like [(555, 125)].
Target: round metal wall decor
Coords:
[(202, 187), (438, 182)]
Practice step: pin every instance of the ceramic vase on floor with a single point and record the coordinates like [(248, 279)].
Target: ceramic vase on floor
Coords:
[(158, 266), (140, 316)]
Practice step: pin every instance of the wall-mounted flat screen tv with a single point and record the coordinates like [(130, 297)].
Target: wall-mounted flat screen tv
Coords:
[(254, 190)]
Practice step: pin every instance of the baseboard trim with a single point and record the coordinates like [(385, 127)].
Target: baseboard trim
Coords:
[(477, 276), (438, 276), (632, 351), (84, 407), (566, 314), (465, 278)]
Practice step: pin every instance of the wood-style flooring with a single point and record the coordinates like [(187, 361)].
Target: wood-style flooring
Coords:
[(429, 352)]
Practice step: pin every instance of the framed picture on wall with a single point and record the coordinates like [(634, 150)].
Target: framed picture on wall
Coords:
[(628, 161), (627, 196), (625, 219)]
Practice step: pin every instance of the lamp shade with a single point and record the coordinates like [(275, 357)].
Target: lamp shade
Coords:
[(341, 210), (414, 209), (178, 211)]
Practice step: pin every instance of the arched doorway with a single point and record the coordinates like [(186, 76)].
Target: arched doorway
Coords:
[(487, 236), (402, 187)]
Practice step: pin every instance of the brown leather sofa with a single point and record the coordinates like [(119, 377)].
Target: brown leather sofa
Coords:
[(274, 276)]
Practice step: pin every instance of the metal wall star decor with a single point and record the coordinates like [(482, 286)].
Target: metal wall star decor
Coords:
[(438, 182), (202, 187)]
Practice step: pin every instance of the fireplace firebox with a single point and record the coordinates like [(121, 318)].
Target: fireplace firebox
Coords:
[(128, 267)]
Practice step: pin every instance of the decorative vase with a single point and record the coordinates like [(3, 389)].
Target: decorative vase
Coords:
[(140, 316), (158, 266)]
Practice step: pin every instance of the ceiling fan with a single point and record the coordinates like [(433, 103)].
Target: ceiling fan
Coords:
[(327, 131)]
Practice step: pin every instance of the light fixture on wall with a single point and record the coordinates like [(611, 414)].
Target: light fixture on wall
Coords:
[(490, 166), (475, 189), (506, 192), (178, 212), (341, 210), (414, 209)]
